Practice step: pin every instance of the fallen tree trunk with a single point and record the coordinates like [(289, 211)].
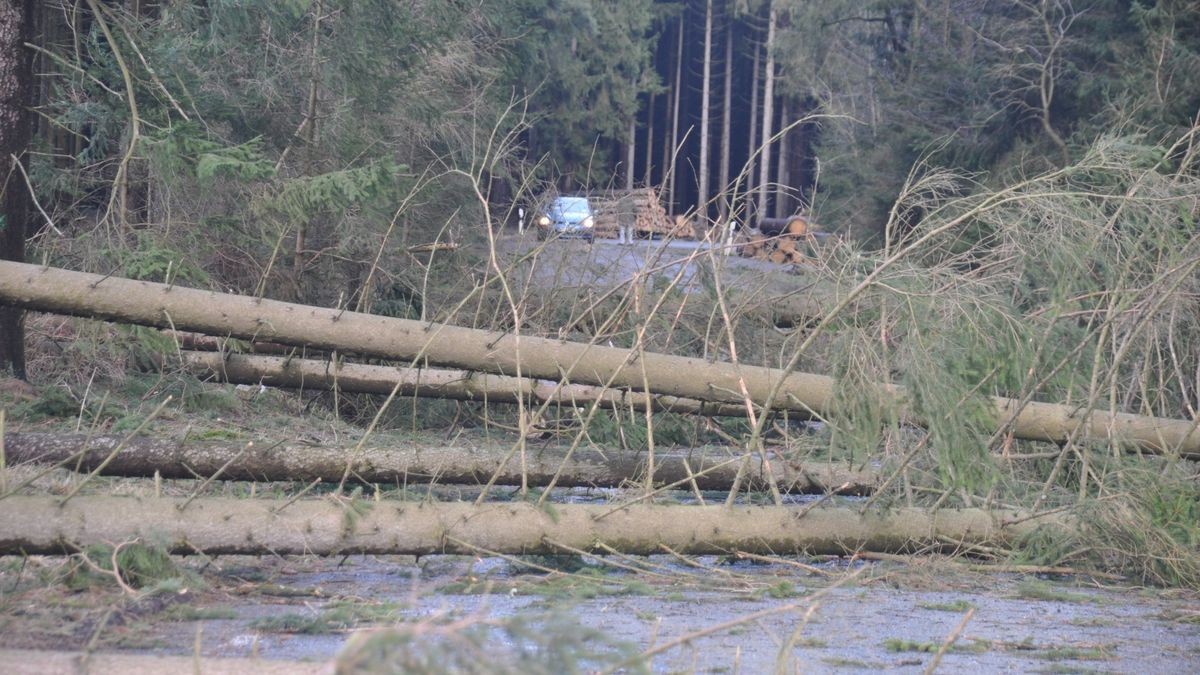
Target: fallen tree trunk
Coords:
[(415, 463), (208, 343), (142, 302), (462, 385), (37, 525)]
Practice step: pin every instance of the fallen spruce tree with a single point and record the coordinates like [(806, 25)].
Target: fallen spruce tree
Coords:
[(61, 291), (462, 385), (330, 526), (413, 463)]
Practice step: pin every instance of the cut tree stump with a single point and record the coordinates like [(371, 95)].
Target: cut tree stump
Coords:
[(332, 526), (409, 462), (49, 289)]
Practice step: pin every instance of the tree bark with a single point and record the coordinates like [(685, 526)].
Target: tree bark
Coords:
[(16, 127), (43, 525), (764, 167), (726, 117), (705, 95), (674, 147), (147, 303), (648, 175), (752, 148), (310, 143), (782, 179), (462, 385), (630, 152), (404, 462)]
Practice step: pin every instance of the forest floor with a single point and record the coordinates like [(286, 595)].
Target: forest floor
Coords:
[(892, 615)]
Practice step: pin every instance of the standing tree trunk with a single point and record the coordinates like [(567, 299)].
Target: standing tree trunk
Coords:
[(782, 179), (705, 95), (764, 167), (630, 149), (648, 175), (726, 116), (310, 140), (675, 119), (16, 100), (753, 146)]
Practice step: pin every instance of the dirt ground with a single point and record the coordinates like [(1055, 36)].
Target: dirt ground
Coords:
[(867, 616)]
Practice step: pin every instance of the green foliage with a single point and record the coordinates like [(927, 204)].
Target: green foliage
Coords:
[(187, 146), (962, 80), (354, 507), (151, 260), (583, 63), (1175, 510), (958, 606), (898, 645), (299, 199), (861, 412), (781, 591), (140, 566), (188, 392), (627, 429), (53, 402), (1101, 653), (1041, 590), (1153, 534)]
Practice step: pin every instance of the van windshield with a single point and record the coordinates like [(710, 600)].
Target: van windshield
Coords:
[(576, 206)]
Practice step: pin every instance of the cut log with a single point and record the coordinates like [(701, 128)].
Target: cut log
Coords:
[(755, 247), (43, 525), (408, 462), (433, 247), (797, 226), (462, 385), (50, 289), (209, 343)]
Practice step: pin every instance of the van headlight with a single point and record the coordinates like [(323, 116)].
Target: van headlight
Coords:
[(544, 221), (588, 222)]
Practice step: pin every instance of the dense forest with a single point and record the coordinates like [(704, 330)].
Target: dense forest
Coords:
[(232, 122)]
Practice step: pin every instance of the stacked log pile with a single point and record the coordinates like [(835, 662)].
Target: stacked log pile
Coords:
[(780, 240), (639, 209)]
